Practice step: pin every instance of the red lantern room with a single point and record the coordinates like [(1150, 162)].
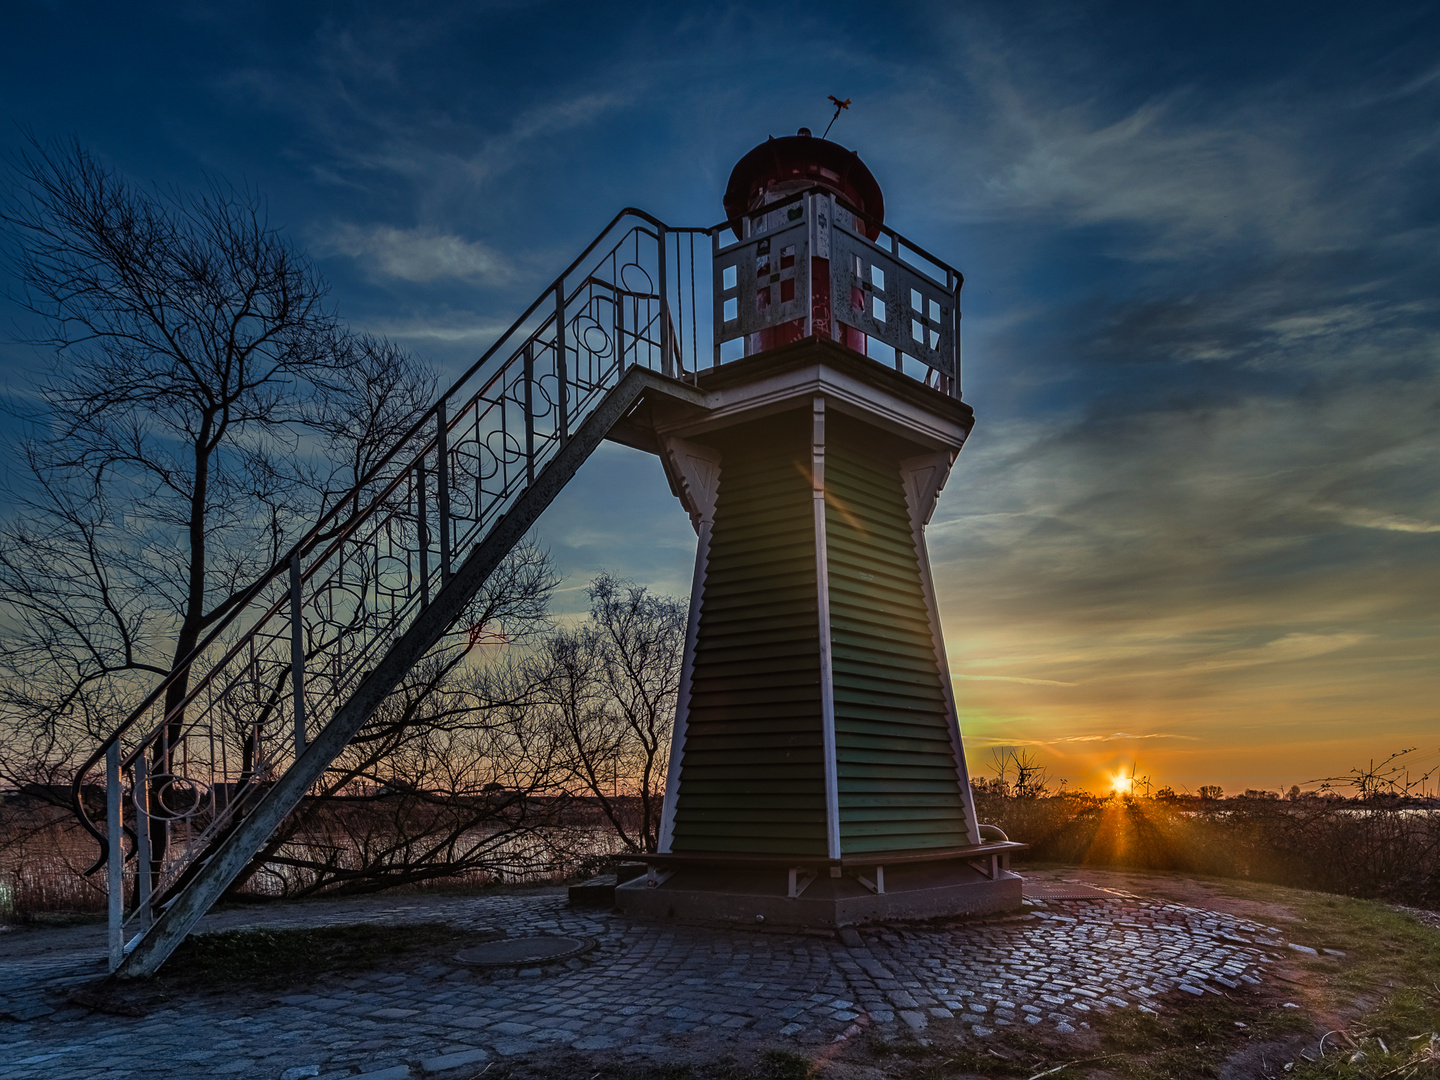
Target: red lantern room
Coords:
[(764, 194)]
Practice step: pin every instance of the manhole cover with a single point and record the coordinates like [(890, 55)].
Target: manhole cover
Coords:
[(510, 952)]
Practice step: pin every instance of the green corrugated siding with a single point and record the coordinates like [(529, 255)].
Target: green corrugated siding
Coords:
[(897, 779), (752, 777)]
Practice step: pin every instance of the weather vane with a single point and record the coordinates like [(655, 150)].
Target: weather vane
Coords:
[(838, 106)]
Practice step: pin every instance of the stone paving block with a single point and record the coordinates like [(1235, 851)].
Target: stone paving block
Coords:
[(457, 1060), (395, 1072)]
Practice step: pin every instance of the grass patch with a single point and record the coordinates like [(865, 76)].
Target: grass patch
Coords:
[(1191, 1037), (268, 959)]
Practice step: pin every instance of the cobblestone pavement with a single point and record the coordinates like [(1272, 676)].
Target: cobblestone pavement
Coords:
[(644, 989)]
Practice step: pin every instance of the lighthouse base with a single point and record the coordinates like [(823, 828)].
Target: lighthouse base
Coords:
[(812, 897)]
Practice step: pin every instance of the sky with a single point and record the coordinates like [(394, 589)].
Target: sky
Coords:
[(1196, 531)]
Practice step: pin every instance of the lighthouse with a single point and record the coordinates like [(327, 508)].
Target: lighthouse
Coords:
[(804, 401), (817, 775)]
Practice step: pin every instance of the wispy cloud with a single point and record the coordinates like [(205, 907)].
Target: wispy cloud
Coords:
[(1286, 649), (1364, 518), (419, 255), (1124, 736), (1013, 679)]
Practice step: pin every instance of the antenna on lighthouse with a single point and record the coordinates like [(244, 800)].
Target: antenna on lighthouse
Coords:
[(838, 106)]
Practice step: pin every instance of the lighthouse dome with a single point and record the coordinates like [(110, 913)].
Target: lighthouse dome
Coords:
[(778, 168)]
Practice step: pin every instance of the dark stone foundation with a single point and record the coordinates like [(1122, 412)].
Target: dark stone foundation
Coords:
[(753, 895)]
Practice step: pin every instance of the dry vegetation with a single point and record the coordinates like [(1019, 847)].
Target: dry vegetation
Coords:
[(1382, 842)]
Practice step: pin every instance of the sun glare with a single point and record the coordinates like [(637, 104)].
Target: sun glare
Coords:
[(1121, 784)]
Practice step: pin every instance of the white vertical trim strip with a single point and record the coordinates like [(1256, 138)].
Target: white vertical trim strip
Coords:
[(822, 596), (923, 478)]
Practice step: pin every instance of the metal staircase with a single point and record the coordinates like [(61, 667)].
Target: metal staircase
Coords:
[(276, 691)]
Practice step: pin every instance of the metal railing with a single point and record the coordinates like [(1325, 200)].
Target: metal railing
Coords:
[(260, 686), (810, 263)]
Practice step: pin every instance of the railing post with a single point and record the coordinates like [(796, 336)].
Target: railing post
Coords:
[(116, 867), (297, 655), (142, 840), (667, 364), (529, 411), (716, 308), (955, 337), (561, 363), (442, 493)]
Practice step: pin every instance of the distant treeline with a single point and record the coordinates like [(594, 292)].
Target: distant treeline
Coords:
[(1379, 846)]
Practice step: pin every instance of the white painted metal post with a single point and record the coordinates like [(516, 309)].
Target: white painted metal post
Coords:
[(116, 865), (667, 364), (808, 202), (822, 596)]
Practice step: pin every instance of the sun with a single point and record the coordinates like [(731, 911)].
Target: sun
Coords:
[(1121, 784)]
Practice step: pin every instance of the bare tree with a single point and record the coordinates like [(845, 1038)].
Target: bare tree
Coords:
[(201, 404), (1030, 775), (605, 691)]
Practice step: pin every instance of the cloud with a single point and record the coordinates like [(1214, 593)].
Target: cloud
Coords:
[(1192, 182), (417, 255), (1286, 649), (1364, 518), (1013, 679), (1051, 128), (1123, 736), (448, 328)]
